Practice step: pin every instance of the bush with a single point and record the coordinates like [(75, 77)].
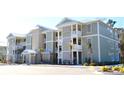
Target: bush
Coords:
[(85, 64), (122, 70), (105, 68), (116, 68), (92, 64)]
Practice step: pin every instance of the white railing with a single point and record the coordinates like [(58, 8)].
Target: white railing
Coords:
[(60, 54), (60, 42), (76, 33), (60, 37), (21, 44), (77, 47)]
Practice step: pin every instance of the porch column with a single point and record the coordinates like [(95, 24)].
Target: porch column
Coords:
[(77, 57), (72, 57)]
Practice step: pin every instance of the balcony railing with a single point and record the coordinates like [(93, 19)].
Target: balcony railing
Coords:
[(21, 44), (60, 54), (77, 47), (76, 33)]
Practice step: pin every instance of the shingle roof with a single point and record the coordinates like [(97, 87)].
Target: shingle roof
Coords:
[(67, 20), (16, 35)]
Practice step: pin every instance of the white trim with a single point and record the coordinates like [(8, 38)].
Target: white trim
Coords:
[(108, 38), (99, 52), (90, 35)]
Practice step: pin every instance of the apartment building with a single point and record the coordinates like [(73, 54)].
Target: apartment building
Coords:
[(74, 42), (39, 41), (15, 46), (79, 42), (3, 52)]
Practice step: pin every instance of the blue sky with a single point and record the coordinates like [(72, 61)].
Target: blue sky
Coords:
[(20, 16)]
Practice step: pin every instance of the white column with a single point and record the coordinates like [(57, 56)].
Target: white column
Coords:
[(72, 56), (77, 43), (99, 52), (58, 47)]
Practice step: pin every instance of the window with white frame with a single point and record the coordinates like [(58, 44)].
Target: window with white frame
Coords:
[(74, 27), (79, 27)]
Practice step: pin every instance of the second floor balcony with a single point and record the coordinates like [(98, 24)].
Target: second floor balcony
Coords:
[(76, 47), (76, 33)]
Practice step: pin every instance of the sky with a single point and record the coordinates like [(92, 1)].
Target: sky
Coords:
[(20, 16)]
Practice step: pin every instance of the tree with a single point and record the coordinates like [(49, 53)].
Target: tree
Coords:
[(41, 50), (122, 47), (111, 22)]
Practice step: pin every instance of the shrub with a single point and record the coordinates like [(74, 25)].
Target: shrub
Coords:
[(92, 64), (116, 68), (122, 70), (105, 68), (85, 64)]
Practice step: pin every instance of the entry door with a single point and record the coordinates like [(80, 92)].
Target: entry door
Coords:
[(75, 58), (80, 57)]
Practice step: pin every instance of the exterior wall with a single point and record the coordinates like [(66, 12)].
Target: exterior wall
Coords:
[(66, 44), (29, 41), (16, 45), (49, 36), (90, 29), (94, 42), (67, 56), (66, 32), (3, 53), (49, 47), (107, 31), (35, 39), (109, 50), (10, 49)]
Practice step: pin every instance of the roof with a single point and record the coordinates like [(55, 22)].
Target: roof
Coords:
[(16, 35), (41, 28), (67, 21), (28, 51)]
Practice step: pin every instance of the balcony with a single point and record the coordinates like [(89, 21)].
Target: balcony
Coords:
[(60, 54), (60, 43), (19, 47), (77, 47), (60, 37), (21, 44), (76, 33)]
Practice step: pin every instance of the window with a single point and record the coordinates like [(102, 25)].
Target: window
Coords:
[(44, 46), (56, 34), (74, 27), (56, 44), (89, 43), (74, 40), (60, 33), (89, 28), (44, 36), (88, 40), (79, 27), (79, 41), (60, 48)]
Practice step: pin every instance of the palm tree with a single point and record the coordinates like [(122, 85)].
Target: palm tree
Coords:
[(122, 47)]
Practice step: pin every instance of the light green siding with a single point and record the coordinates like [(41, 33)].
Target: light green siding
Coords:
[(106, 31), (49, 36), (109, 50), (49, 46), (90, 29), (66, 44), (94, 41)]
